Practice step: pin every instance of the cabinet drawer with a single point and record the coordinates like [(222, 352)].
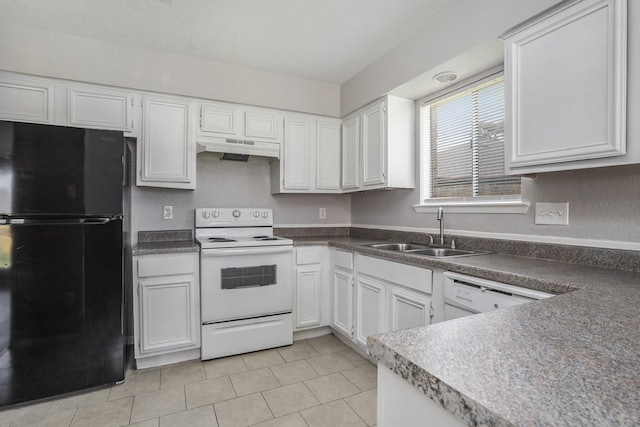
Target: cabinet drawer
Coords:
[(409, 276), (308, 256), (166, 265), (343, 259)]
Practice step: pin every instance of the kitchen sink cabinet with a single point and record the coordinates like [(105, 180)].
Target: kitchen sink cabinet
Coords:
[(310, 156), (379, 146), (373, 295), (311, 292), (167, 152), (565, 89), (166, 308)]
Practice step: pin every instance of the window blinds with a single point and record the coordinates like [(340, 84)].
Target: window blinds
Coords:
[(466, 134)]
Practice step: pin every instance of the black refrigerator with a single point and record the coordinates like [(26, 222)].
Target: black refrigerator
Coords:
[(61, 260)]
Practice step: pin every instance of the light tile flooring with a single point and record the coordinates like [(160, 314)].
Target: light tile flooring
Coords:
[(315, 382)]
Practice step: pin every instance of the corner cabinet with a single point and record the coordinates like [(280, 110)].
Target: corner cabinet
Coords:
[(166, 308), (565, 91), (311, 293), (310, 156), (167, 152), (378, 148)]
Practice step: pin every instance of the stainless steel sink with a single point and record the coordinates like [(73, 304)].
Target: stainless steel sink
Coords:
[(444, 252), (424, 250), (400, 247)]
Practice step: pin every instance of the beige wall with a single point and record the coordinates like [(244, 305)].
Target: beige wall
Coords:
[(52, 54)]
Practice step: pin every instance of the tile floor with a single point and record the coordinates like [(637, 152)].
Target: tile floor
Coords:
[(315, 382)]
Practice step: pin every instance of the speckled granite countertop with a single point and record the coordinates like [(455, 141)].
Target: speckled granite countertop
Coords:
[(573, 359), (164, 242)]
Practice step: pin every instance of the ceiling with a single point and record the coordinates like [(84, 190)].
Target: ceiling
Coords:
[(325, 40)]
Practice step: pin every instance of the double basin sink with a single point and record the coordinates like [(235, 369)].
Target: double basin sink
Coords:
[(425, 250)]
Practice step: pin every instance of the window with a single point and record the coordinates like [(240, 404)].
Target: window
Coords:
[(462, 146)]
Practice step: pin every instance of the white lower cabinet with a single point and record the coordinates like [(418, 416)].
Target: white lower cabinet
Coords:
[(408, 309), (343, 289), (373, 295), (311, 307), (166, 307), (370, 308)]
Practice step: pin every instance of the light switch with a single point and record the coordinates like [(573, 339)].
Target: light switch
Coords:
[(167, 212), (552, 213)]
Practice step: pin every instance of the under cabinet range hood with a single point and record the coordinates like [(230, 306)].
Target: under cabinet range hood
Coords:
[(239, 149)]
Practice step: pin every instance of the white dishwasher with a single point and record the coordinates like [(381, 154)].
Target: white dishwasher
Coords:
[(467, 295)]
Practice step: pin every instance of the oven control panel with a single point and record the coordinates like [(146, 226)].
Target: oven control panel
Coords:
[(238, 217)]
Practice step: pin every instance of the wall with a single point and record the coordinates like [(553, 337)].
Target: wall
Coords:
[(459, 27), (233, 184), (603, 202), (52, 54)]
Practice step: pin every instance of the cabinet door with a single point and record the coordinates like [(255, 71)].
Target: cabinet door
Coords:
[(328, 156), (408, 309), (373, 146), (566, 88), (261, 124), (308, 296), (168, 313), (370, 309), (298, 161), (351, 153), (91, 107), (166, 157), (216, 118), (343, 301), (26, 99)]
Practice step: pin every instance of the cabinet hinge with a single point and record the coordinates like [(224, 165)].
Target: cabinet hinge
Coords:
[(431, 312), (138, 289), (131, 124), (283, 182), (132, 103), (139, 344)]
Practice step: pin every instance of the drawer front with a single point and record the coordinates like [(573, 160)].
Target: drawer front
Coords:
[(166, 265), (419, 279), (308, 256), (343, 259)]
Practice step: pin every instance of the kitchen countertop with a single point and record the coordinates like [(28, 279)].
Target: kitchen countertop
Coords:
[(164, 242), (572, 359)]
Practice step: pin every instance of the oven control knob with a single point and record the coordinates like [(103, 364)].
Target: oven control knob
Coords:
[(215, 214), (236, 213), (206, 214), (265, 214), (256, 214)]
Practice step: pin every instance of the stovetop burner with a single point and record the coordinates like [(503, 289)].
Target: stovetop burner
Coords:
[(220, 239)]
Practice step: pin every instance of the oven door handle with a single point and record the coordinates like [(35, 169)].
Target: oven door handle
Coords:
[(246, 251)]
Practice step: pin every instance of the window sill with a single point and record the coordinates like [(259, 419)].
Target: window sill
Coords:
[(483, 206)]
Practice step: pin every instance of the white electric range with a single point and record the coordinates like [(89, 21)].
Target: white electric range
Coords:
[(246, 281)]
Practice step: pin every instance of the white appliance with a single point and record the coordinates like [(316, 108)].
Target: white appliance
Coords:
[(467, 295), (246, 282)]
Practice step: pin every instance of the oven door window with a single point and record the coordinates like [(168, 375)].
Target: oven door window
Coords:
[(248, 277)]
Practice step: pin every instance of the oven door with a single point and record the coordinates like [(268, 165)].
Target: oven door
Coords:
[(241, 283)]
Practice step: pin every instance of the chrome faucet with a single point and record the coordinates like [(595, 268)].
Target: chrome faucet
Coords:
[(441, 219)]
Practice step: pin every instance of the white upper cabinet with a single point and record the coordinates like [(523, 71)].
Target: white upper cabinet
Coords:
[(565, 92), (379, 146), (351, 153), (220, 118), (328, 155), (310, 160), (26, 99), (94, 107), (166, 153), (262, 124)]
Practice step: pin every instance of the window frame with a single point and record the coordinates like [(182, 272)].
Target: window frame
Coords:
[(480, 204)]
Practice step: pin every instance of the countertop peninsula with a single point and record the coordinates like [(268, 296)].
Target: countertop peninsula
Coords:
[(573, 359)]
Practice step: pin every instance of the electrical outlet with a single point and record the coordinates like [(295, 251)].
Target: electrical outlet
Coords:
[(167, 212), (552, 213), (323, 213)]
